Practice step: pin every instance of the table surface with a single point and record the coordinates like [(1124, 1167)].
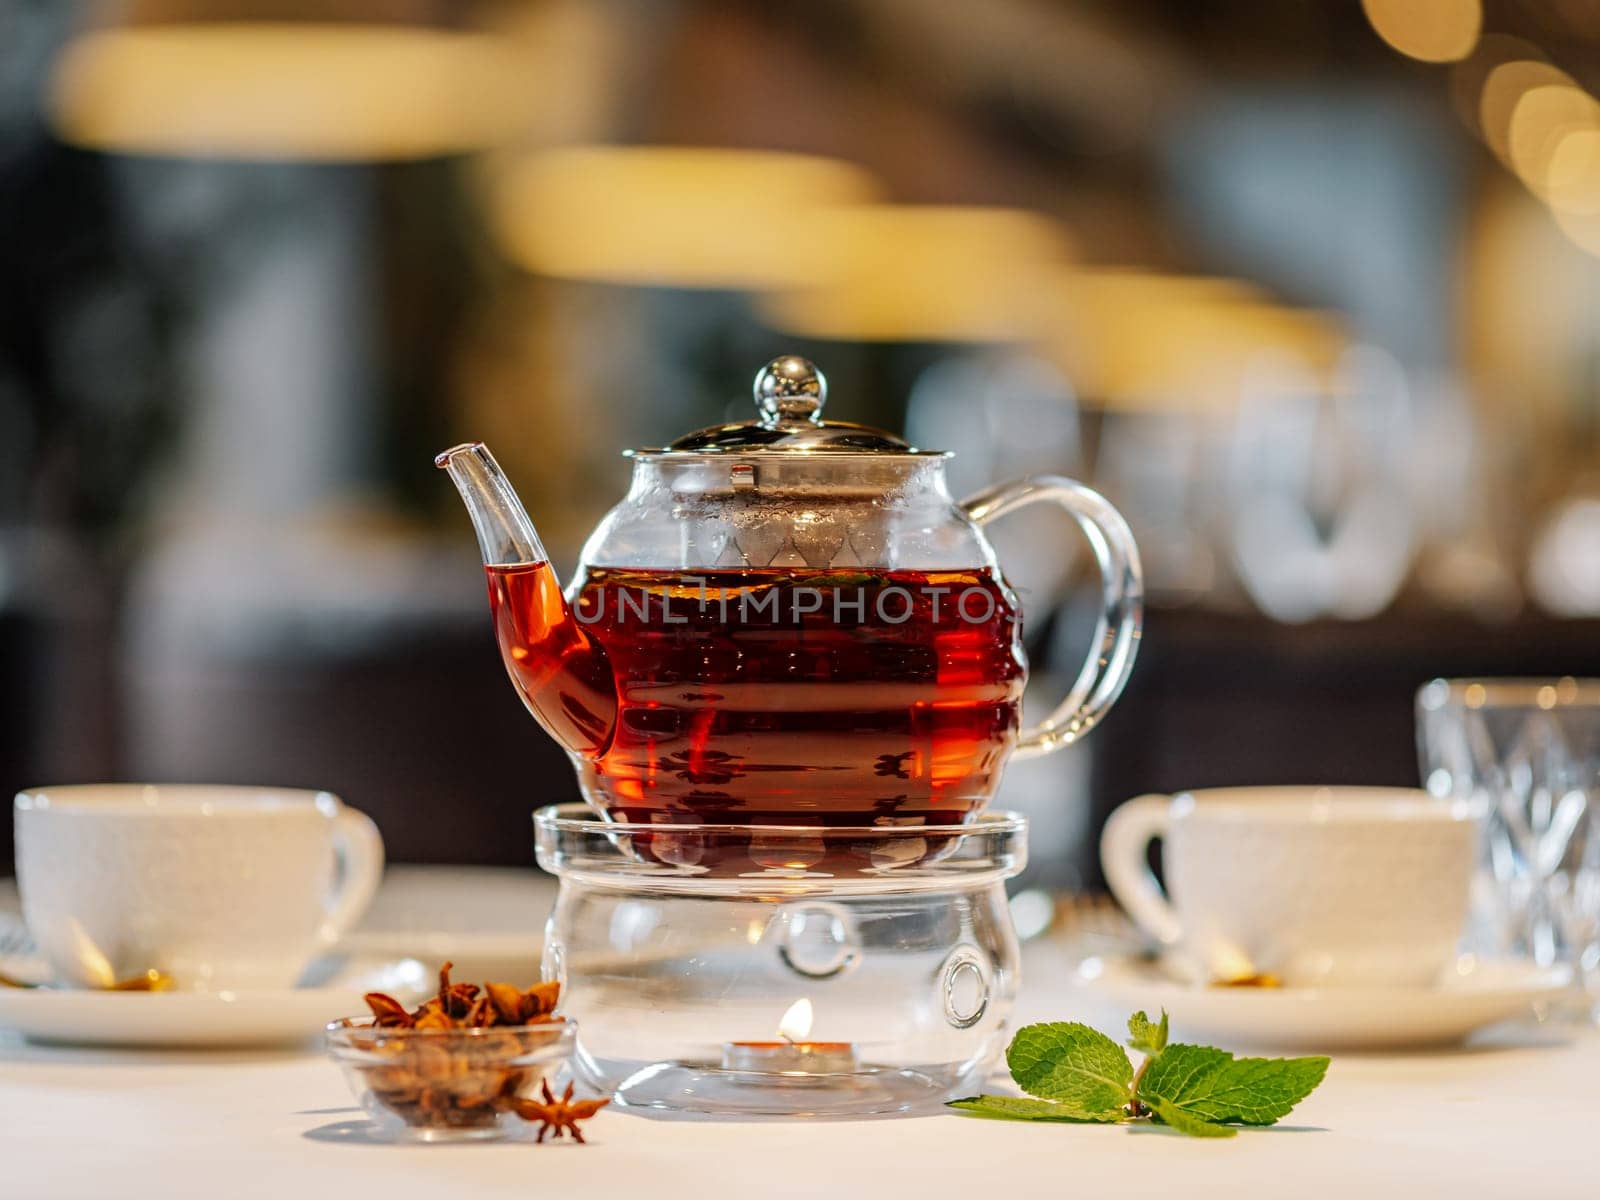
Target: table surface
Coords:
[(1516, 1113)]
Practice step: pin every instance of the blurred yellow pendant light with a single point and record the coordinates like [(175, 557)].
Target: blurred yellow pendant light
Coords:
[(1139, 340), (667, 216), (922, 273), (1111, 329), (178, 80)]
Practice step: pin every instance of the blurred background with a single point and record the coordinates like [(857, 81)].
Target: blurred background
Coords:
[(1308, 290)]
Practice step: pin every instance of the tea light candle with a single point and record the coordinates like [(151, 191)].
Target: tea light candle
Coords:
[(792, 1055)]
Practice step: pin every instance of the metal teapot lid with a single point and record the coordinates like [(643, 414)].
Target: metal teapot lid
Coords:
[(789, 395)]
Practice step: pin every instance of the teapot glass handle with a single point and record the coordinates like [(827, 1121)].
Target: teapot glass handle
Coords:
[(1116, 637)]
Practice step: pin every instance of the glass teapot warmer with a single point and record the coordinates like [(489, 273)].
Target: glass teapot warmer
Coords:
[(898, 961)]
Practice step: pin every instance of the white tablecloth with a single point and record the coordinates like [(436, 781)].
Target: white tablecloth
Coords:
[(1516, 1114)]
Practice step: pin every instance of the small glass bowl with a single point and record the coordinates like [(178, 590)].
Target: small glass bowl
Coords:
[(447, 1085)]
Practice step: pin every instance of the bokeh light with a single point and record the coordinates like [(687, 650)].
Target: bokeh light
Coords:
[(1430, 30), (1142, 340), (1543, 119), (301, 90), (1582, 229), (667, 216), (1572, 179), (1503, 90), (1468, 76), (906, 272)]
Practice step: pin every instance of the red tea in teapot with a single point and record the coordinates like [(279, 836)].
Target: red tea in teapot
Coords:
[(771, 695)]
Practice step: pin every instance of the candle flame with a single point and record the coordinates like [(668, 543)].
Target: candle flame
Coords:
[(796, 1022)]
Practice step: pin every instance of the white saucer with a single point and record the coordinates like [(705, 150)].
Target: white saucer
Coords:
[(65, 1016), (1468, 998)]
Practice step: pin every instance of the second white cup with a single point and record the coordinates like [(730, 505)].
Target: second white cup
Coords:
[(1316, 885)]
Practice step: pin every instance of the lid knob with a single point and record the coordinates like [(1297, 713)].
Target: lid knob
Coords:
[(789, 390)]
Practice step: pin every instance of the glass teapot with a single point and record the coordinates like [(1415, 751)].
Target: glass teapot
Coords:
[(790, 621)]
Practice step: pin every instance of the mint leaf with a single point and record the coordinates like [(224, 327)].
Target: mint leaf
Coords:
[(1146, 1037), (1212, 1085), (1184, 1122), (1023, 1108), (1070, 1062)]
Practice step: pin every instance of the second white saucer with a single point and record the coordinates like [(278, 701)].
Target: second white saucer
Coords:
[(1474, 995)]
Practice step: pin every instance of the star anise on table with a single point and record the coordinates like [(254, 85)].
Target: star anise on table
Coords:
[(560, 1115)]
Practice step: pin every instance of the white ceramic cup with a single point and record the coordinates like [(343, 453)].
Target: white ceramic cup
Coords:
[(1317, 885), (220, 887)]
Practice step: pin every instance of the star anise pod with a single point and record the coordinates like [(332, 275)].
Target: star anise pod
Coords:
[(467, 1006), (560, 1115), (455, 999), (387, 1012), (517, 1007)]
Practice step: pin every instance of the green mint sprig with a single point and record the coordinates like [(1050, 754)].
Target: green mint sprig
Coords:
[(1077, 1074)]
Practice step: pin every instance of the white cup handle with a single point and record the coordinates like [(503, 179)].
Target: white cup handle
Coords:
[(1123, 846), (359, 848)]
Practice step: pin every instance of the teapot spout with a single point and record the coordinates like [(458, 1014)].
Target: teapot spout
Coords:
[(559, 669), (505, 534)]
